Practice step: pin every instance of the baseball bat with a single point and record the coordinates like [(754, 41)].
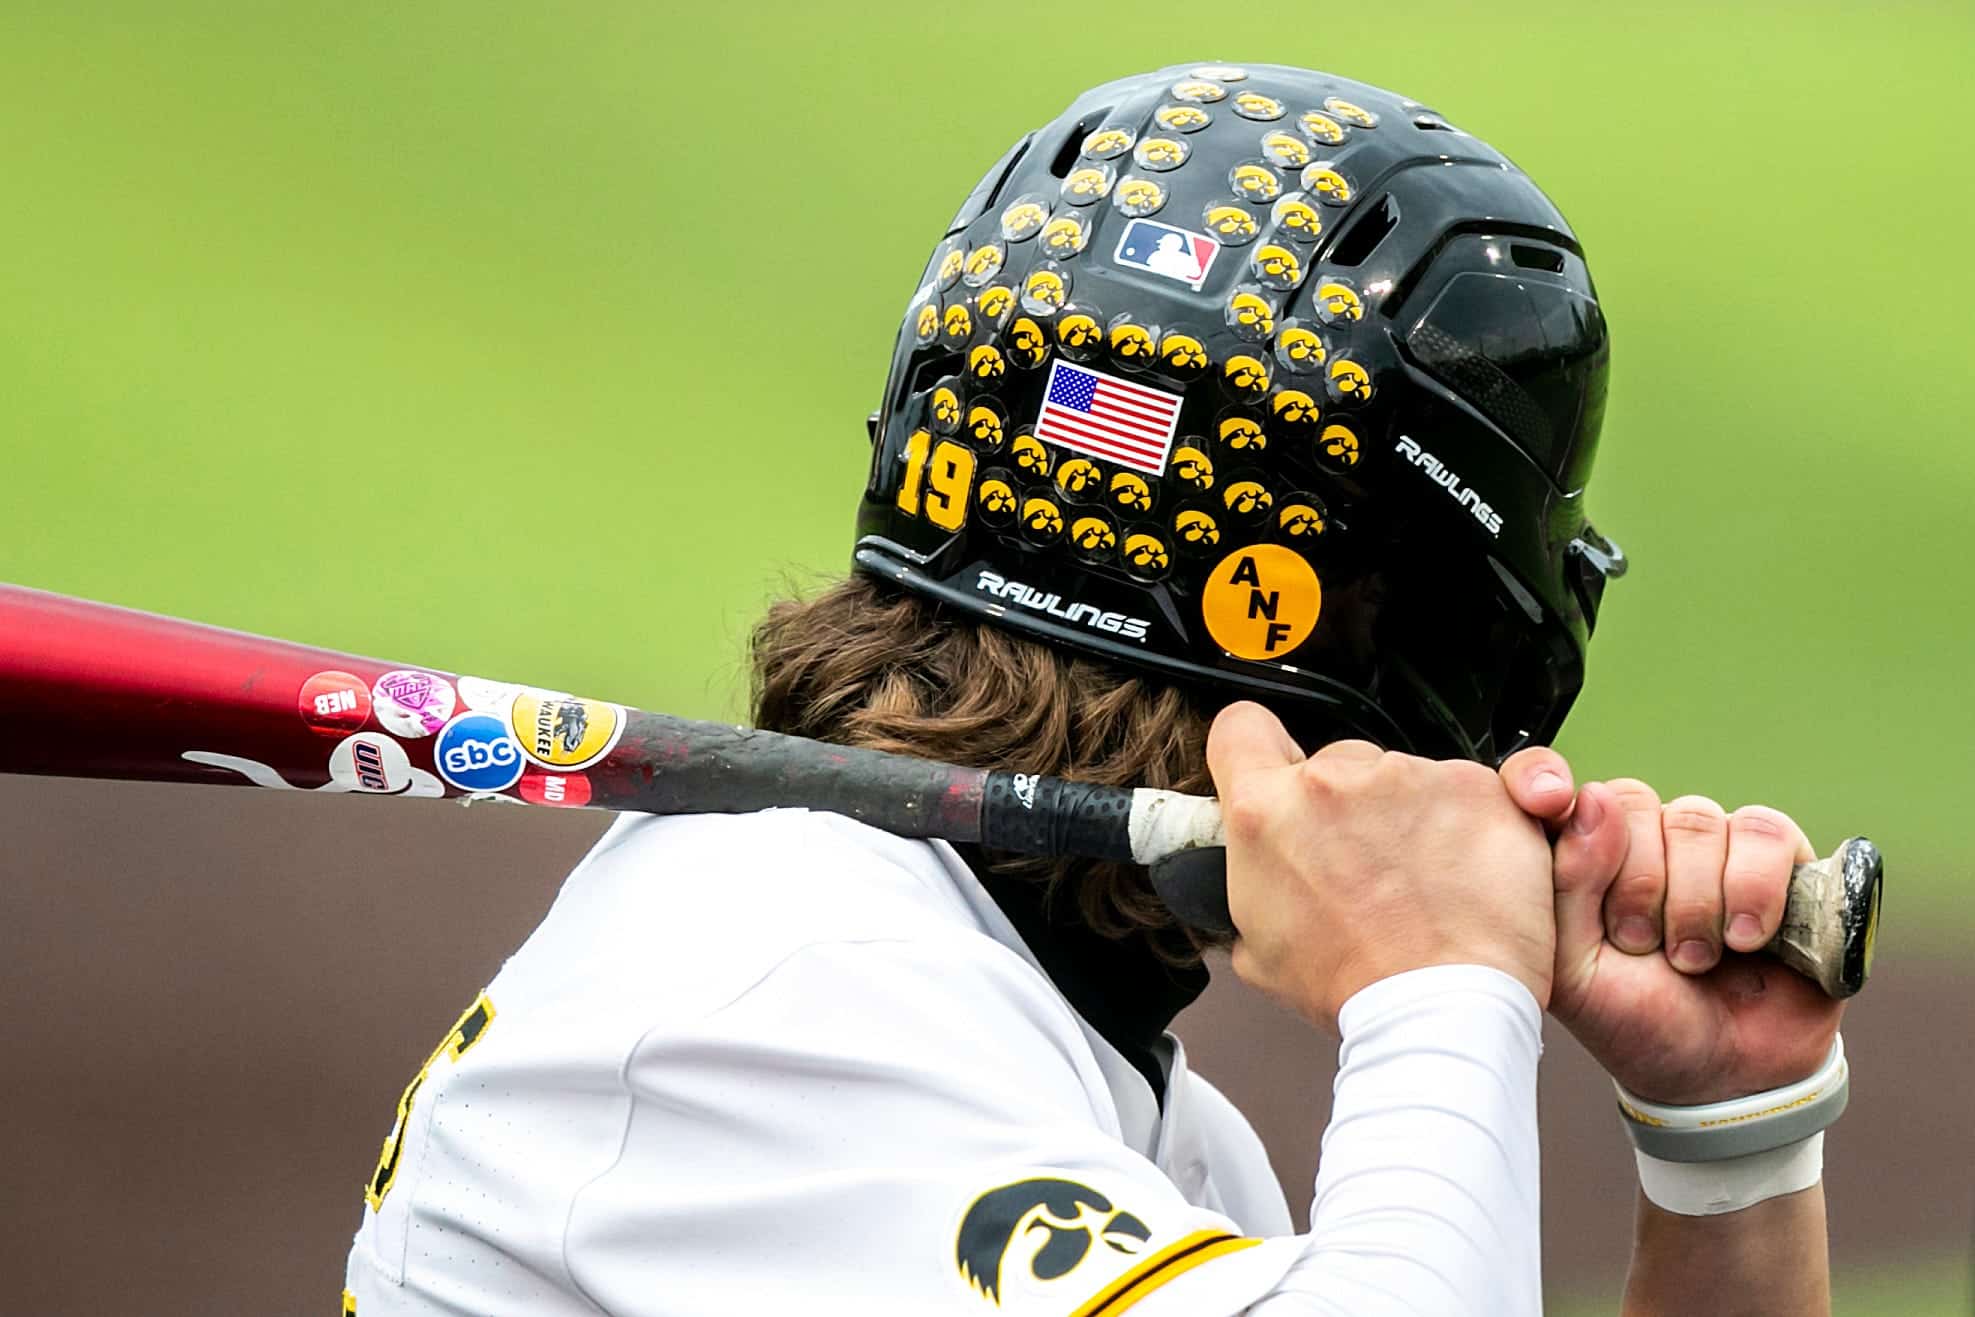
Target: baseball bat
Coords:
[(92, 690)]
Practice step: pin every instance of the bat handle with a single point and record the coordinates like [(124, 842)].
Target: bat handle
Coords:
[(1830, 921)]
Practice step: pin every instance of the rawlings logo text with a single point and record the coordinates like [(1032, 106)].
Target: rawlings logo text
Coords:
[(1117, 624), (1490, 519)]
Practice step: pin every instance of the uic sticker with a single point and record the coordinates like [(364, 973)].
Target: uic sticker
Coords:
[(373, 764)]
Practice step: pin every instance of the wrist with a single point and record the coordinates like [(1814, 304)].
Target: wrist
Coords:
[(1726, 1156), (1368, 981), (1448, 986), (1717, 1131), (1714, 1188)]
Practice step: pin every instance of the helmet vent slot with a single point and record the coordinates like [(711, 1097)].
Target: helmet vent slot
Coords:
[(1366, 233), (989, 187), (1073, 145), (1537, 258)]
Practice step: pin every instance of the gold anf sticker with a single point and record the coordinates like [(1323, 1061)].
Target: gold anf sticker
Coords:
[(1261, 602)]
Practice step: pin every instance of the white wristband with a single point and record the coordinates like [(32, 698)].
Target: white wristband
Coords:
[(1712, 1188), (1760, 1122)]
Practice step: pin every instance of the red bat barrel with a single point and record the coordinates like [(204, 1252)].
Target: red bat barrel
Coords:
[(89, 690)]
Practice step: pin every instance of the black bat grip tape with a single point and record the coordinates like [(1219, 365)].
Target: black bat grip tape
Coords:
[(1030, 814)]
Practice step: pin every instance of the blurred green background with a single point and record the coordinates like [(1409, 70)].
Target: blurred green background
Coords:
[(536, 340)]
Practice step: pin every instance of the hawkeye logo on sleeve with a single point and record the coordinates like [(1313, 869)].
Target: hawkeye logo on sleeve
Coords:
[(1046, 1226), (1057, 1246)]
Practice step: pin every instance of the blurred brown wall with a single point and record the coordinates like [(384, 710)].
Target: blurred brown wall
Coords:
[(211, 998)]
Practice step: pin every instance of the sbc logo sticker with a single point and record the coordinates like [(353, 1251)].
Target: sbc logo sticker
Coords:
[(475, 753), (561, 731)]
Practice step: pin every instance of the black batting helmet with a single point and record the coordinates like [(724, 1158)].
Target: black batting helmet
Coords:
[(1270, 383)]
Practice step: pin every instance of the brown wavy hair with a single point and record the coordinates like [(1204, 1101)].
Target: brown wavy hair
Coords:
[(863, 663)]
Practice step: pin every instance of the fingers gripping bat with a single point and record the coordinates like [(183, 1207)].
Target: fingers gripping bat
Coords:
[(89, 690)]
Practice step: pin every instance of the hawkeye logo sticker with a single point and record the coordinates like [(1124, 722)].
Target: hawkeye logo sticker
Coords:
[(1178, 254), (561, 731), (1043, 1229)]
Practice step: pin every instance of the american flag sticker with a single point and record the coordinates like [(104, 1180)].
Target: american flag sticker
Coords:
[(1105, 417)]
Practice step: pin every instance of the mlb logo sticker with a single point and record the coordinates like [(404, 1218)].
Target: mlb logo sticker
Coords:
[(1178, 254)]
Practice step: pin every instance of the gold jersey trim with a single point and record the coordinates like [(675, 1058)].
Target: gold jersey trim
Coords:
[(1173, 1260)]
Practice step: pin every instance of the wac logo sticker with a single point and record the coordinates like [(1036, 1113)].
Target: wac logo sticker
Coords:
[(1045, 1227), (1261, 602), (561, 731), (412, 703)]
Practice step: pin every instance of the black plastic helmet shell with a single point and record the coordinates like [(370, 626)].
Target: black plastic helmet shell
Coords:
[(1271, 383)]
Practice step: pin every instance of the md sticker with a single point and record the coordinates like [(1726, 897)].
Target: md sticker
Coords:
[(560, 731), (475, 753), (412, 703), (334, 703), (569, 790), (1178, 254), (1261, 602)]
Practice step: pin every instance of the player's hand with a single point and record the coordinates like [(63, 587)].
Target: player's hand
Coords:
[(1356, 864), (1660, 908)]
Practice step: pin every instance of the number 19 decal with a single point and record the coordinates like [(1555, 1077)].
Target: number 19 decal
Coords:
[(455, 1045), (939, 476)]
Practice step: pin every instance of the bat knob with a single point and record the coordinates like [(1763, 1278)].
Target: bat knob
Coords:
[(1831, 920), (1193, 884), (1862, 873)]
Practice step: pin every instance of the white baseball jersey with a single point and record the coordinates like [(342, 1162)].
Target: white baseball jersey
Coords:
[(783, 1062)]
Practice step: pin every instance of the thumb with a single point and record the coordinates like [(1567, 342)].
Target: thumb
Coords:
[(1245, 739), (1538, 780), (1589, 853)]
